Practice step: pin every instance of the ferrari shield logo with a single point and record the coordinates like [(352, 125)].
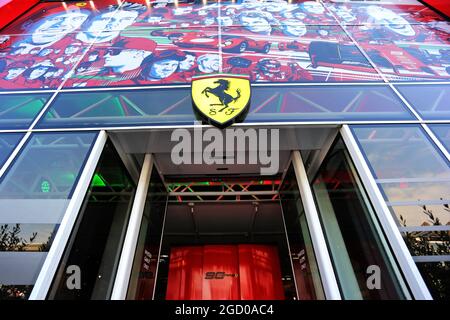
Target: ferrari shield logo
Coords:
[(221, 99)]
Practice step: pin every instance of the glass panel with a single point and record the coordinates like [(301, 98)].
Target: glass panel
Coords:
[(431, 101), (307, 277), (143, 275), (401, 153), (174, 106), (8, 142), (96, 241), (414, 177), (422, 214), (38, 186), (442, 131), (18, 111), (312, 103), (428, 243), (352, 231), (437, 274), (119, 108)]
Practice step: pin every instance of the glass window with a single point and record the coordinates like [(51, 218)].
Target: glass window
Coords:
[(307, 277), (436, 274), (96, 241), (120, 108), (143, 275), (38, 188), (18, 111), (415, 180), (8, 142), (174, 106), (312, 103), (442, 131), (430, 101), (352, 231)]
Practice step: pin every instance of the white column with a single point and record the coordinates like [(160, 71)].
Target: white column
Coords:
[(131, 238), (412, 275), (327, 275), (56, 251)]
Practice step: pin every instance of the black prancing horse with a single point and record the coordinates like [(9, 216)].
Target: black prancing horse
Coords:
[(220, 93)]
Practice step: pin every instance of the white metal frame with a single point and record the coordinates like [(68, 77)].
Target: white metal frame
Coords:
[(129, 245), (329, 281), (410, 271), (49, 268)]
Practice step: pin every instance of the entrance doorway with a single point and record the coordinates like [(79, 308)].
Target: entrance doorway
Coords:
[(223, 232), (228, 244)]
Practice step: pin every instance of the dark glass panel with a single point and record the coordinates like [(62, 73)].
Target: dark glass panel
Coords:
[(352, 231), (143, 275), (306, 272), (96, 241), (437, 275)]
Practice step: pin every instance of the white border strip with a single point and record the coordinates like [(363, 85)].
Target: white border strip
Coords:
[(407, 265), (56, 251), (327, 275), (129, 245)]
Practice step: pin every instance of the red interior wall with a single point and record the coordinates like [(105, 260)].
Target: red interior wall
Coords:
[(252, 273), (11, 9)]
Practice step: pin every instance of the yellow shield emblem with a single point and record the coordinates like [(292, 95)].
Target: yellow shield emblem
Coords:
[(221, 99)]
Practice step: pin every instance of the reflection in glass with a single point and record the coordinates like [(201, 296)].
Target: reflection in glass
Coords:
[(96, 240), (352, 231), (146, 258), (431, 101), (8, 142), (442, 131), (436, 274), (174, 106), (119, 108), (18, 111), (312, 103), (414, 177), (38, 186), (307, 277)]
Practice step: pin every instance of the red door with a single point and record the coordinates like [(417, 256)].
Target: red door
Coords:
[(224, 272)]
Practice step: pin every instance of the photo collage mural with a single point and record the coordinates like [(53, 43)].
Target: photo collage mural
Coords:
[(141, 42)]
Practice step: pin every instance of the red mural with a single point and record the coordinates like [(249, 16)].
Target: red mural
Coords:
[(224, 272), (97, 44), (11, 9)]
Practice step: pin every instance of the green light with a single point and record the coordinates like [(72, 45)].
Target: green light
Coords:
[(98, 181), (45, 186)]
